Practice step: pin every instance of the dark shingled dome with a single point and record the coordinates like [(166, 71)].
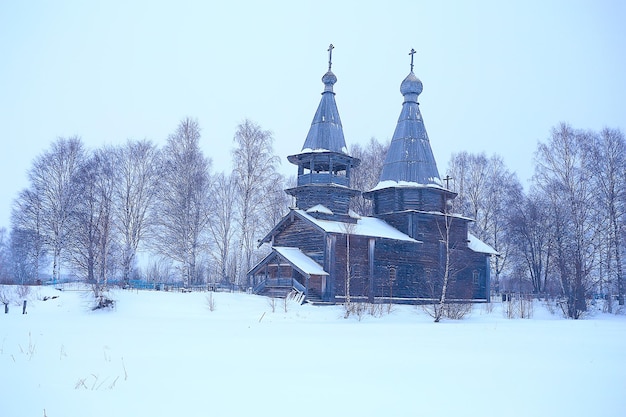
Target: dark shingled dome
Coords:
[(410, 157), (326, 131)]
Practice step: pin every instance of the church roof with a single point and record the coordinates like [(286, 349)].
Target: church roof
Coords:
[(298, 259), (326, 132), (410, 158), (364, 226), (479, 246)]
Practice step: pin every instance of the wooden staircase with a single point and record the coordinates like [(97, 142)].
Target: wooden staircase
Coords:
[(313, 296), (281, 288)]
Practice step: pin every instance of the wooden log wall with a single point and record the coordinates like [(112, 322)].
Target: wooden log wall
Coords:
[(337, 199)]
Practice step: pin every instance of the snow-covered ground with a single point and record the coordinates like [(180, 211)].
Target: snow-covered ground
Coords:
[(167, 354)]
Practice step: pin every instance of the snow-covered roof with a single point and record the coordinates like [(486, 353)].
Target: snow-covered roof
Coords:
[(365, 226), (300, 260), (478, 245)]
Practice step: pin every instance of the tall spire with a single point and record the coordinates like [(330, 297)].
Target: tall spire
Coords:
[(410, 158), (324, 166), (326, 132)]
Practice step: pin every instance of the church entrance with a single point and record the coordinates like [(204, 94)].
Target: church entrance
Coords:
[(317, 288)]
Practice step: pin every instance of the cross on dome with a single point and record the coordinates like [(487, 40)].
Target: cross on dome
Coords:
[(330, 56)]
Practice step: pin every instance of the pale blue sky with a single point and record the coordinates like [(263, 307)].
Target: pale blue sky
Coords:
[(497, 75)]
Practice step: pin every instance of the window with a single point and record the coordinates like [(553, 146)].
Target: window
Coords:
[(392, 274), (475, 278)]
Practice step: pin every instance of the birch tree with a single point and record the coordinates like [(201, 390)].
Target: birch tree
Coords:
[(92, 244), (470, 173), (183, 197), (607, 159), (439, 307), (348, 229), (52, 179), (221, 226), (27, 236), (531, 233), (561, 174), (254, 171), (5, 266), (366, 176), (486, 189), (138, 165)]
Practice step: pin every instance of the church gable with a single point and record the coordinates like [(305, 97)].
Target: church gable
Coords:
[(303, 234)]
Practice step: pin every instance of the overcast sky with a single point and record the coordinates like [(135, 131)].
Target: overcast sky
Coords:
[(497, 75)]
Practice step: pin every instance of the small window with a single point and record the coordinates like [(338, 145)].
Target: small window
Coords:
[(392, 274), (475, 277)]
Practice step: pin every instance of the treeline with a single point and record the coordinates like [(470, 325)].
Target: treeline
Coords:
[(89, 213), (562, 237), (93, 211)]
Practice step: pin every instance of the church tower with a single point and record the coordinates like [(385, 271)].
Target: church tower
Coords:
[(324, 166), (409, 182)]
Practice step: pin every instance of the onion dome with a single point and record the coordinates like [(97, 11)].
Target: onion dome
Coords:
[(329, 79), (411, 86), (410, 158)]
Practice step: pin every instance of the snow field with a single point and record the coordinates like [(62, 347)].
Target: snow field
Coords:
[(167, 354)]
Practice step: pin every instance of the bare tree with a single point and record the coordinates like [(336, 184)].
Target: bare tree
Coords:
[(5, 267), (138, 165), (221, 226), (561, 174), (531, 233), (444, 231), (486, 188), (159, 271), (27, 236), (366, 176), (607, 153), (503, 191), (182, 215), (348, 230), (276, 202), (92, 243), (471, 175), (254, 165), (52, 179)]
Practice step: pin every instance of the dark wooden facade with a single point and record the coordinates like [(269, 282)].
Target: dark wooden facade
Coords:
[(383, 269)]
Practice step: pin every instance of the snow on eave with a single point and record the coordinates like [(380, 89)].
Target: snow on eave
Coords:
[(344, 150), (300, 260), (309, 150), (407, 184), (434, 213), (478, 245)]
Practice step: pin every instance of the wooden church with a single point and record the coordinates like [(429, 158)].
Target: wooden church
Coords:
[(327, 252)]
